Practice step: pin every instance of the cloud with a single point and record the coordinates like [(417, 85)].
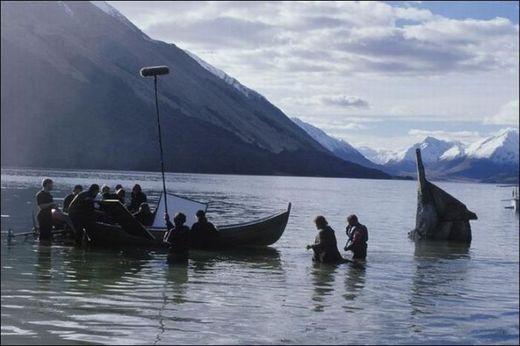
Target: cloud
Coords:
[(507, 115), (344, 101), (460, 136)]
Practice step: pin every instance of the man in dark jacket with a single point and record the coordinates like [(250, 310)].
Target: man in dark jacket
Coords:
[(45, 204), (66, 202), (357, 237), (203, 233), (82, 211), (325, 245), (177, 238)]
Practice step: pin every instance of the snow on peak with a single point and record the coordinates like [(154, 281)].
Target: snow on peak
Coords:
[(330, 143), (458, 150), (225, 77), (431, 150), (501, 147), (379, 156)]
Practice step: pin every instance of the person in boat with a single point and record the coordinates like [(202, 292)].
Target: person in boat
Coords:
[(357, 238), (107, 194), (66, 202), (82, 211), (121, 196), (136, 198), (144, 215), (203, 233), (177, 238), (325, 246), (45, 204)]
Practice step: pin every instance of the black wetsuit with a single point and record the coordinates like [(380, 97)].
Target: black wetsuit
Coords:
[(81, 212), (203, 235), (326, 247), (136, 200), (179, 243), (44, 215)]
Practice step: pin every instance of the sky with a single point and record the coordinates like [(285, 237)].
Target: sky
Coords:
[(377, 74)]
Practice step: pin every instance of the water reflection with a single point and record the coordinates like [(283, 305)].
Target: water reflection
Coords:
[(354, 281), (323, 275), (44, 262), (99, 268), (440, 268)]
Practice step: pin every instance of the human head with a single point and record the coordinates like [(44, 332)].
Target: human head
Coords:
[(201, 215), (136, 188), (352, 220), (77, 189), (105, 189), (118, 186), (93, 189), (179, 219), (47, 184), (144, 207), (320, 222)]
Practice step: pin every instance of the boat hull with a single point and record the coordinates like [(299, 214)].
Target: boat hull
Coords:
[(258, 233)]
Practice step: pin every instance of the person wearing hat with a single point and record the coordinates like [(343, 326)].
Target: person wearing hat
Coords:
[(203, 233), (177, 238), (45, 204), (68, 200)]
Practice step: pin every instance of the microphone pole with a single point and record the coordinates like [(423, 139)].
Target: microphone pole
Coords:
[(149, 72)]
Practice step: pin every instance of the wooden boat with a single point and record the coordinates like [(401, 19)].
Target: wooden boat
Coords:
[(128, 232)]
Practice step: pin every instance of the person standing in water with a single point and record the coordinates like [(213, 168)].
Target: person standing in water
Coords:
[(203, 233), (325, 246), (82, 211), (177, 238), (45, 204), (357, 238)]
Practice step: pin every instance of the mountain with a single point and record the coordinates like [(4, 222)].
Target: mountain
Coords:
[(72, 98), (338, 147), (492, 159)]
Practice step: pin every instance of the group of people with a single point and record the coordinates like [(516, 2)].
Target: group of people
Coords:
[(325, 246), (81, 205)]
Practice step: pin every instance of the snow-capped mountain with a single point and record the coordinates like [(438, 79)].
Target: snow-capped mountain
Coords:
[(431, 149), (338, 147), (379, 156), (500, 148)]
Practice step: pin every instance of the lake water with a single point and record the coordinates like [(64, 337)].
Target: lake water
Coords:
[(429, 294)]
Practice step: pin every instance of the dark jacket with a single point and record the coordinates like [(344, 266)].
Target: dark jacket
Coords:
[(325, 246), (203, 235), (67, 201), (144, 217), (135, 201), (358, 237), (178, 240), (82, 204)]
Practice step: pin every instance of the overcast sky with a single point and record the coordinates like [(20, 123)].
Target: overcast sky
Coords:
[(373, 73)]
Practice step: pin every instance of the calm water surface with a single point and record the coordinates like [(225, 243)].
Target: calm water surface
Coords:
[(429, 294)]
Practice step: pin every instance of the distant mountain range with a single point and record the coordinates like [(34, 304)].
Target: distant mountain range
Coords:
[(493, 159), (72, 98)]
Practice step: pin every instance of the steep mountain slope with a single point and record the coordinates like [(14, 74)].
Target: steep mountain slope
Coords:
[(72, 98), (338, 147)]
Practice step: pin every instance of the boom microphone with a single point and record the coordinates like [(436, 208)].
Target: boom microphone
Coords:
[(153, 71)]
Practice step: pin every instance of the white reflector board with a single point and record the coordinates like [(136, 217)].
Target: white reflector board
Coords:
[(176, 205)]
